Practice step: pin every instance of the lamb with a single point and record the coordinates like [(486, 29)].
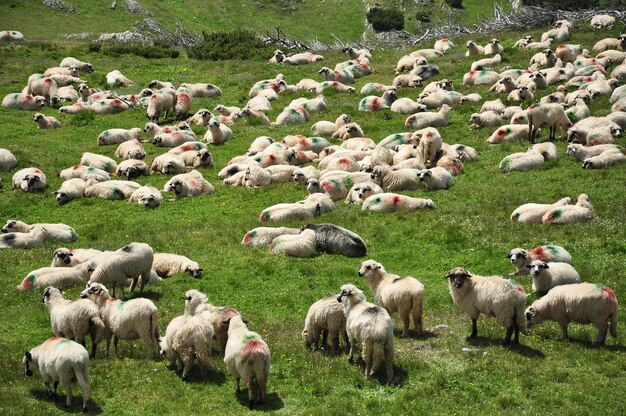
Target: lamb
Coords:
[(129, 262), (328, 128), (532, 213), (473, 49), (521, 43), (332, 239), (201, 90), (571, 214), (406, 81), (7, 160), (435, 178), (263, 236), (186, 338), (480, 77), (373, 103), (492, 296), (97, 161), (486, 63), (547, 115), (610, 43), (344, 76), (44, 122), (290, 116), (29, 180), (521, 258), (148, 196), (520, 94), (21, 101), (390, 202), (131, 149), (132, 168), (371, 327), (486, 119), (247, 356), (133, 319), (59, 277), (116, 79), (548, 275), (295, 245), (83, 66), (58, 231), (361, 191), (523, 161), (585, 303), (503, 85), (117, 136), (428, 143), (62, 361), (427, 119), (168, 164), (604, 160), (189, 184), (162, 101)]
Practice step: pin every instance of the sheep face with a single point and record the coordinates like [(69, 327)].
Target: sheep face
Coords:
[(193, 272), (350, 293), (425, 174), (537, 267), (48, 292), (517, 256), (458, 276), (364, 191), (61, 197), (532, 317), (368, 266), (177, 186), (149, 201), (94, 290), (145, 93), (9, 226), (214, 124), (37, 117), (153, 84), (63, 254), (313, 186), (31, 181)]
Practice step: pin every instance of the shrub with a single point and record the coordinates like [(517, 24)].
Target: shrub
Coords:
[(384, 20), (149, 52), (455, 4), (423, 17), (239, 44), (82, 119)]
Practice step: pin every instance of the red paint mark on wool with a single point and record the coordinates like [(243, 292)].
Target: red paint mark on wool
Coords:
[(101, 140), (76, 167), (428, 136), (609, 294), (227, 313), (47, 80), (539, 253), (167, 130), (254, 346), (246, 238), (501, 132), (472, 73), (396, 199), (375, 104), (532, 107), (52, 340), (37, 171), (344, 161)]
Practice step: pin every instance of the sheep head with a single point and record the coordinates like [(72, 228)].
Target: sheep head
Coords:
[(457, 276), (537, 266), (350, 293), (371, 267)]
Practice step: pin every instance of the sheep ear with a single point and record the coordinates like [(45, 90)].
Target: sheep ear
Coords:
[(545, 266), (528, 266), (508, 256), (28, 355), (226, 322), (245, 321)]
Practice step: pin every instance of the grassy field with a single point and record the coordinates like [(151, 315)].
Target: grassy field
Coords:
[(469, 228)]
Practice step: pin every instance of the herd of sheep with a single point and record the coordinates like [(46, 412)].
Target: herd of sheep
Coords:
[(338, 162)]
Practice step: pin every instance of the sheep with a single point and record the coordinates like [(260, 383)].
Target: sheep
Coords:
[(521, 43), (616, 57), (581, 302), (328, 128), (263, 236), (486, 119), (473, 49), (247, 356), (580, 152), (70, 190), (29, 180), (197, 158), (44, 122), (57, 231), (408, 62), (521, 258), (427, 119), (435, 178), (333, 239), (147, 195), (162, 101), (570, 214), (373, 103), (70, 62), (21, 101), (64, 257), (33, 238), (74, 108), (396, 180), (133, 319), (406, 81), (116, 79), (543, 115), (202, 90), (7, 160), (59, 277), (99, 162), (443, 45), (522, 93), (258, 103), (295, 211), (371, 327), (302, 58), (132, 168), (548, 275), (307, 84), (354, 53), (522, 161), (174, 139), (361, 191), (602, 21), (189, 184), (117, 136), (435, 99), (407, 106), (492, 296), (503, 85), (314, 105), (62, 361), (168, 164), (427, 53), (390, 202), (604, 160), (610, 43), (337, 86), (295, 245), (248, 112), (428, 143), (87, 173), (39, 84), (187, 147), (532, 213), (545, 58), (288, 116), (544, 44), (345, 76), (348, 131), (108, 106), (571, 98), (325, 316), (424, 71), (465, 153), (131, 149), (486, 63), (72, 71), (302, 175), (183, 104), (373, 87), (568, 53), (129, 262), (480, 77)]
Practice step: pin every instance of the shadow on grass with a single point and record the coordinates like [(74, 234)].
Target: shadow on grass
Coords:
[(520, 348), (147, 293), (422, 336), (59, 401), (590, 345), (400, 376), (271, 401), (212, 377)]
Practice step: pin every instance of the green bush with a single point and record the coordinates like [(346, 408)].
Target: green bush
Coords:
[(384, 20), (149, 52), (240, 44), (422, 17), (455, 4)]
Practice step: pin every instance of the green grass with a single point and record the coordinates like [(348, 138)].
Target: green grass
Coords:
[(470, 228)]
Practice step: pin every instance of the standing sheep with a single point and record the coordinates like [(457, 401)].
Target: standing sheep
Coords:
[(548, 275), (325, 317), (547, 115)]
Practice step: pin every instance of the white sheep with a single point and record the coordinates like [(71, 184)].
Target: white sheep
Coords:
[(426, 119), (522, 161), (544, 44), (70, 61), (407, 106), (131, 149), (148, 196), (289, 115), (602, 21), (75, 108), (585, 303), (295, 245), (39, 84), (491, 296), (580, 152), (531, 213), (61, 361), (59, 277), (56, 231), (568, 53), (486, 119), (168, 164), (162, 101), (548, 275), (373, 103), (610, 43), (486, 63), (443, 45), (435, 178), (521, 258), (428, 143), (46, 122), (99, 162), (370, 327), (396, 180), (325, 317), (504, 85), (21, 101), (64, 257), (133, 319), (186, 147), (197, 158), (390, 202), (361, 191), (34, 238), (116, 136), (174, 139), (29, 180), (247, 357), (510, 132), (202, 90), (604, 160), (132, 168), (547, 115), (345, 76), (129, 262), (521, 43), (307, 84), (473, 49), (480, 77), (116, 79), (522, 93), (348, 131), (263, 236), (189, 184), (86, 173), (571, 214), (186, 338), (471, 98), (7, 160)]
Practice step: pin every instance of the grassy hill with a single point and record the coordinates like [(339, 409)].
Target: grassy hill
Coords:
[(469, 228)]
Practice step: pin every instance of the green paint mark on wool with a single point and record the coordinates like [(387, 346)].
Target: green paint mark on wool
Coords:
[(253, 234), (572, 117), (557, 213), (106, 133), (294, 112), (250, 337), (505, 164), (348, 181), (552, 249), (62, 343), (363, 104), (108, 166), (118, 193)]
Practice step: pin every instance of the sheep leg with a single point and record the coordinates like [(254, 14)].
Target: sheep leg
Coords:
[(50, 393), (474, 328), (507, 337), (367, 357), (389, 363), (56, 386), (145, 277), (346, 339), (351, 354), (417, 318), (324, 337), (335, 341), (564, 329), (187, 362), (115, 341), (516, 338), (68, 388), (407, 321), (601, 337), (238, 381), (108, 337)]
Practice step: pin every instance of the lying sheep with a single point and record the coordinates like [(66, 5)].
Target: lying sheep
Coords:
[(34, 238), (44, 122), (520, 94), (56, 231), (605, 160), (189, 184), (288, 116), (201, 90), (480, 77), (580, 152), (424, 71), (7, 160), (325, 316), (295, 245), (404, 295), (348, 131), (473, 49), (492, 296), (344, 76), (585, 303), (29, 180), (406, 81), (21, 101), (435, 178), (332, 239), (521, 258), (532, 213), (373, 103), (548, 275), (510, 132), (521, 43), (85, 173), (371, 327), (544, 44), (64, 257), (486, 119), (74, 108), (361, 191), (263, 236), (117, 136), (116, 79), (486, 63), (137, 319), (132, 149), (132, 168), (443, 45), (570, 214), (422, 120), (60, 361), (396, 180), (168, 164), (70, 62), (99, 162), (186, 147), (337, 86), (111, 190), (59, 277), (610, 43), (197, 158), (522, 161), (148, 196), (602, 21), (503, 85), (390, 202)]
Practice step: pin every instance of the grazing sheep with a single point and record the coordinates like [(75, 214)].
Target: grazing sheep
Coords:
[(29, 180), (21, 101), (605, 160), (473, 49), (406, 81), (247, 356), (44, 122), (373, 103), (295, 245), (99, 162), (371, 327), (61, 361), (547, 115), (148, 196), (427, 119), (548, 275), (129, 262), (480, 77), (571, 214), (57, 231), (332, 239), (189, 184), (486, 63), (7, 160), (390, 202), (491, 296), (521, 258), (133, 319), (435, 178), (585, 303), (131, 149), (532, 213), (486, 119), (263, 236), (361, 191), (59, 277), (168, 164), (116, 79), (117, 136), (325, 317), (132, 168)]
